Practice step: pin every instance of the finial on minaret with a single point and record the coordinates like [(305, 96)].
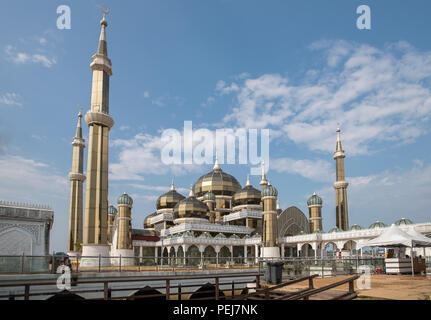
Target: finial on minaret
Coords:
[(339, 148), (105, 12), (78, 133), (216, 164), (278, 205), (102, 48), (172, 185), (314, 193), (247, 184), (263, 181), (191, 194)]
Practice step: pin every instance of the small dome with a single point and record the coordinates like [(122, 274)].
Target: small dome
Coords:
[(112, 210), (190, 207), (168, 199), (125, 199), (356, 227), (147, 223), (318, 231), (269, 190), (403, 222), (220, 236), (247, 195), (209, 196), (314, 200), (205, 235), (335, 229), (377, 224)]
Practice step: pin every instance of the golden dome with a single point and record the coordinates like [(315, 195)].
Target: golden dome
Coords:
[(247, 195), (169, 199), (190, 207), (216, 181), (147, 223)]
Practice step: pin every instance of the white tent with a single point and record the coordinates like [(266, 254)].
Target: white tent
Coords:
[(395, 237), (412, 231)]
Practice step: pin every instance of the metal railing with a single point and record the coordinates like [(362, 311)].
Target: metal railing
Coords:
[(212, 287), (50, 263), (302, 267)]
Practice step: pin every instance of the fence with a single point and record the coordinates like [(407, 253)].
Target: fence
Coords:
[(211, 287), (49, 264), (301, 267)]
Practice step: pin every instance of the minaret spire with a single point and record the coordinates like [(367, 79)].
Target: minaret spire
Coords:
[(99, 123), (172, 185), (76, 178), (340, 186), (263, 182), (216, 164), (247, 184)]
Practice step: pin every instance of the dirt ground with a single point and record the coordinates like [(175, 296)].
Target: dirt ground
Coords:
[(383, 287)]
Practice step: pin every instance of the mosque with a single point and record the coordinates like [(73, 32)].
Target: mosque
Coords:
[(219, 219)]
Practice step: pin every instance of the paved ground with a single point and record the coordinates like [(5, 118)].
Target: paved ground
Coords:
[(398, 287)]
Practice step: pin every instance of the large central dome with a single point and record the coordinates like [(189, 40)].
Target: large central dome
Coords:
[(216, 181)]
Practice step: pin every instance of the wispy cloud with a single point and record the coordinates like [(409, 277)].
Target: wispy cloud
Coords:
[(11, 99), (17, 57), (22, 175), (317, 170)]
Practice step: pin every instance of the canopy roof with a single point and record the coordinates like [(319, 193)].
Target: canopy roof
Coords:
[(395, 237)]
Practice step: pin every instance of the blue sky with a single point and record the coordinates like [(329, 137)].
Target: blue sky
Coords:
[(295, 67)]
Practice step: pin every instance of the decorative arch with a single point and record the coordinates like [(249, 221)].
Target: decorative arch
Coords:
[(224, 255), (291, 222), (193, 256), (16, 241), (210, 255)]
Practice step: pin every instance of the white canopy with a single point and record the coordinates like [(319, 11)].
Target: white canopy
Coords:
[(395, 237), (412, 231)]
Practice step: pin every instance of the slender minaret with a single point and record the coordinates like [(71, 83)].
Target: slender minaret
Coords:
[(99, 122), (314, 204), (112, 216), (340, 186), (124, 239), (270, 232), (77, 178)]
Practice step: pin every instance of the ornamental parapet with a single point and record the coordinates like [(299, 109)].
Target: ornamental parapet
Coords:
[(161, 217), (101, 118), (76, 176), (208, 227), (78, 142), (243, 214), (250, 207), (339, 154), (340, 184), (101, 63)]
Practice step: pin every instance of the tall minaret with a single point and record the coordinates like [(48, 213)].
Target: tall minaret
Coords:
[(340, 186), (77, 178), (270, 231), (99, 122)]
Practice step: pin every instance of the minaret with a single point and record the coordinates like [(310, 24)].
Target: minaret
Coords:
[(123, 247), (340, 186), (77, 178), (314, 204), (270, 232), (112, 216), (99, 122)]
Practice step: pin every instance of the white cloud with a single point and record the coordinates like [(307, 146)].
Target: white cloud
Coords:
[(378, 96), (12, 54), (386, 196), (223, 88), (318, 170), (141, 155), (11, 99), (28, 180)]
